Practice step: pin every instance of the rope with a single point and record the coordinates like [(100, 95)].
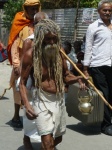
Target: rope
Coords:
[(5, 92)]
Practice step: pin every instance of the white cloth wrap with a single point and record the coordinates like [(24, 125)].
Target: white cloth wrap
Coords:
[(51, 113), (29, 125), (30, 129)]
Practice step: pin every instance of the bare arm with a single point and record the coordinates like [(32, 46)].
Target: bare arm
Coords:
[(27, 43), (25, 72), (15, 57), (69, 78)]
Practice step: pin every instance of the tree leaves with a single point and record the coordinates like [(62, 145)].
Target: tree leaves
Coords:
[(10, 9)]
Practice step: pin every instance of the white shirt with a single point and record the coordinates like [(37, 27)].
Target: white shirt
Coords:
[(98, 49), (72, 56)]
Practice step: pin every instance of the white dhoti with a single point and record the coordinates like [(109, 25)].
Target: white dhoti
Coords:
[(30, 129), (51, 113), (29, 126)]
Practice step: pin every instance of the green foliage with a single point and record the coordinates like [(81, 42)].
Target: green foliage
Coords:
[(68, 3), (89, 3), (10, 9)]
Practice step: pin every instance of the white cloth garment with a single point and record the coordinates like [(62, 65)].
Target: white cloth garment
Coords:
[(30, 128), (51, 113), (29, 125)]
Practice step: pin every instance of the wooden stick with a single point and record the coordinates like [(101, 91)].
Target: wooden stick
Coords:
[(80, 72), (5, 92)]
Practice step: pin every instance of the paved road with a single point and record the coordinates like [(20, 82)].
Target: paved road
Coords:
[(77, 137)]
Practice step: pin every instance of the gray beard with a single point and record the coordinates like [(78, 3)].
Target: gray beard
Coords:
[(50, 53)]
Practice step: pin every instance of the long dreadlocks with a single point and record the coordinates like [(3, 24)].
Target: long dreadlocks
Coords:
[(41, 29)]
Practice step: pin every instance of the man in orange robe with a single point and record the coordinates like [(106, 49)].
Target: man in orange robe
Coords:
[(22, 27)]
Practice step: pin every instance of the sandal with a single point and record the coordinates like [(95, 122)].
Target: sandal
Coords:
[(16, 123)]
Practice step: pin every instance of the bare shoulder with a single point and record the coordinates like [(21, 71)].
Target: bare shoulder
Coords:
[(27, 44)]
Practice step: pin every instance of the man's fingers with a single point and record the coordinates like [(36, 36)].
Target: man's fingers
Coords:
[(31, 116), (30, 113)]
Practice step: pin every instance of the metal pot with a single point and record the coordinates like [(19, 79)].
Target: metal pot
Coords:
[(85, 98), (85, 108)]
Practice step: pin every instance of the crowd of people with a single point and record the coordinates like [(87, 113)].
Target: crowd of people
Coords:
[(41, 75)]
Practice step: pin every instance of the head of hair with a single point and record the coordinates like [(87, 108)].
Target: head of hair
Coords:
[(42, 28), (77, 46), (67, 47), (39, 16), (103, 2)]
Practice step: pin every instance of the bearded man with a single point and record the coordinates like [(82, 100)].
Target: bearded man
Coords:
[(49, 73)]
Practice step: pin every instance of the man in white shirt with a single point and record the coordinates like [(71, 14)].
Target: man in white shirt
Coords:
[(98, 57)]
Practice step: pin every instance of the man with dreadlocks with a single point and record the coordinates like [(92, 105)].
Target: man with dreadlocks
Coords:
[(49, 73)]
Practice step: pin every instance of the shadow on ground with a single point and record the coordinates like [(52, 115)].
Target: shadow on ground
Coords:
[(15, 129), (84, 129), (35, 146), (4, 98)]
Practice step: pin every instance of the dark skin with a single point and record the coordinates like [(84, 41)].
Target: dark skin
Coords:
[(32, 10), (28, 43), (47, 85)]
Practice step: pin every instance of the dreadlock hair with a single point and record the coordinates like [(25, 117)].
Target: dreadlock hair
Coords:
[(41, 29)]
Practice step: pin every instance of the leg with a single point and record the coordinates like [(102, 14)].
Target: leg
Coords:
[(58, 140), (27, 143), (47, 142), (16, 111), (102, 80), (16, 122)]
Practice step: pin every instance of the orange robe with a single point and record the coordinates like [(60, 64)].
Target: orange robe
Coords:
[(18, 24), (17, 35)]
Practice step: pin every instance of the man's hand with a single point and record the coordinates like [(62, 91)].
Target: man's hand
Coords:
[(30, 112), (83, 82)]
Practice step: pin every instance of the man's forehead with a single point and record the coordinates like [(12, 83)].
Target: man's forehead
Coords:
[(34, 6), (106, 6), (50, 34)]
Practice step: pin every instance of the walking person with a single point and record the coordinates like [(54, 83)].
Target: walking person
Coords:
[(98, 58), (48, 70), (29, 126), (21, 28)]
